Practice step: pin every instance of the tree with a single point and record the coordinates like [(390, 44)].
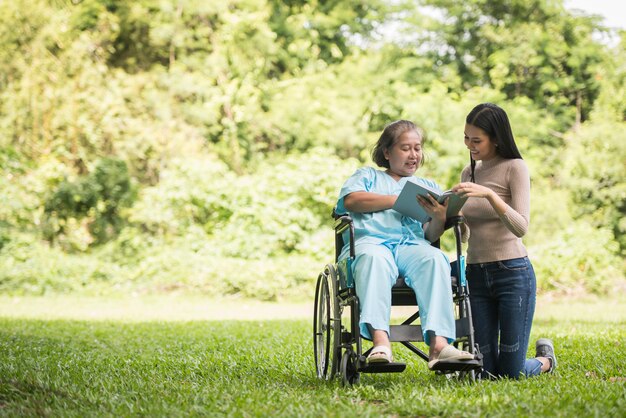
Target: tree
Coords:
[(534, 49)]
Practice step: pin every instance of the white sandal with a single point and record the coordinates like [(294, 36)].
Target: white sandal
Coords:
[(380, 354), (450, 353)]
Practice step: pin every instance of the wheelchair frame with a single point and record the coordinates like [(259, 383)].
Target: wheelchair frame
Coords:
[(338, 347)]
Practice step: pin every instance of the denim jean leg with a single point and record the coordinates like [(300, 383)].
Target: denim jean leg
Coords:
[(515, 291), (532, 367), (484, 317)]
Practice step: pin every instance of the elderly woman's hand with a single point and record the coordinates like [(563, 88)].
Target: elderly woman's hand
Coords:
[(434, 209)]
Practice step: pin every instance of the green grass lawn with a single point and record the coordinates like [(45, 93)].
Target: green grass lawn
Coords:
[(124, 367)]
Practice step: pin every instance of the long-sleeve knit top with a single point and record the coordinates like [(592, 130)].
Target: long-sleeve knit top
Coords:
[(494, 237)]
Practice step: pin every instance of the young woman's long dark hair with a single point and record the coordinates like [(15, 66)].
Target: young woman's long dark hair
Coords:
[(494, 121)]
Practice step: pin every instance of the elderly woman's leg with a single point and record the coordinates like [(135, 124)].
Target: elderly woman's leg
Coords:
[(375, 272), (427, 271)]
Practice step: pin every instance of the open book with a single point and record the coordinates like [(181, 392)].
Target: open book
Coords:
[(408, 205)]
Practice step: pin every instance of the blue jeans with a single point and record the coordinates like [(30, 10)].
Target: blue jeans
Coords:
[(502, 296)]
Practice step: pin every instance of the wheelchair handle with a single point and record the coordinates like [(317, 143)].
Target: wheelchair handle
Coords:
[(453, 221), (456, 222)]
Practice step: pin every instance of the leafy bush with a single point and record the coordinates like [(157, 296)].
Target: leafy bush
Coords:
[(98, 197), (579, 257), (30, 266), (546, 217), (597, 180), (191, 191), (269, 212), (287, 199)]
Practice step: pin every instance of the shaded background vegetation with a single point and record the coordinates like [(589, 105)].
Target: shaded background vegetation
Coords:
[(184, 145)]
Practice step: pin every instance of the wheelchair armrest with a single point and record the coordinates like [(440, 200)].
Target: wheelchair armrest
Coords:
[(343, 222)]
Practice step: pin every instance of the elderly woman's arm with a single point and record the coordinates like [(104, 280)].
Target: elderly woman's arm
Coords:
[(368, 202)]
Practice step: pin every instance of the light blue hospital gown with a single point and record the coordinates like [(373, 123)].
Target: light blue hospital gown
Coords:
[(388, 244)]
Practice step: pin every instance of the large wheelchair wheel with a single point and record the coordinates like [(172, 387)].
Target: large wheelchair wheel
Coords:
[(326, 325)]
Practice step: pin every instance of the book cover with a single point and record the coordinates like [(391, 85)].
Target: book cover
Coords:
[(408, 205)]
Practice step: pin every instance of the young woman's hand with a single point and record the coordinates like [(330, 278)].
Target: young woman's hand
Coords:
[(473, 190), (469, 189)]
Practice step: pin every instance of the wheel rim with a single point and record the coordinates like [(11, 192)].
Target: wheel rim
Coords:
[(334, 322), (321, 327), (327, 325)]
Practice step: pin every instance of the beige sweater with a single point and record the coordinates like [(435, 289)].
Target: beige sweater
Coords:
[(493, 237)]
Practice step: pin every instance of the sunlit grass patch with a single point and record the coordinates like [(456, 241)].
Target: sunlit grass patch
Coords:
[(265, 368)]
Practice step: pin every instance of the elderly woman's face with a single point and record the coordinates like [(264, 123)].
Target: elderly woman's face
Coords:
[(405, 155)]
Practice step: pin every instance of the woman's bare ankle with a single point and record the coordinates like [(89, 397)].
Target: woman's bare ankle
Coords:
[(437, 344), (545, 364), (380, 337)]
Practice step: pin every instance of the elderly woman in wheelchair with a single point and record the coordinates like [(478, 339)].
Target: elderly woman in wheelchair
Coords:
[(386, 245)]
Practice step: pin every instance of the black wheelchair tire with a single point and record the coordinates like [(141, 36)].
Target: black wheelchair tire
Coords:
[(349, 375), (326, 325)]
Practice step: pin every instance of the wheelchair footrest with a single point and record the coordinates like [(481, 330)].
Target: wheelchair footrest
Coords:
[(383, 368), (457, 366)]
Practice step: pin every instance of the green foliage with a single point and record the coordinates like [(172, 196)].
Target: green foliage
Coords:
[(595, 174), (193, 191), (611, 103), (31, 266), (320, 31), (269, 212), (23, 188), (4, 239), (533, 49), (229, 126), (99, 196), (578, 257), (291, 200)]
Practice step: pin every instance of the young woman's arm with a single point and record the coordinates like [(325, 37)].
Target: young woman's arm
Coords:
[(515, 216)]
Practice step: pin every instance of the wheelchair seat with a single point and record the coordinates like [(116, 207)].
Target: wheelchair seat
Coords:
[(403, 295)]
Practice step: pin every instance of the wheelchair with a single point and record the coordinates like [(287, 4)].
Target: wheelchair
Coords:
[(338, 344)]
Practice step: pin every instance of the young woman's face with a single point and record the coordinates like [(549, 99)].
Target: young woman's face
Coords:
[(405, 155), (479, 144)]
